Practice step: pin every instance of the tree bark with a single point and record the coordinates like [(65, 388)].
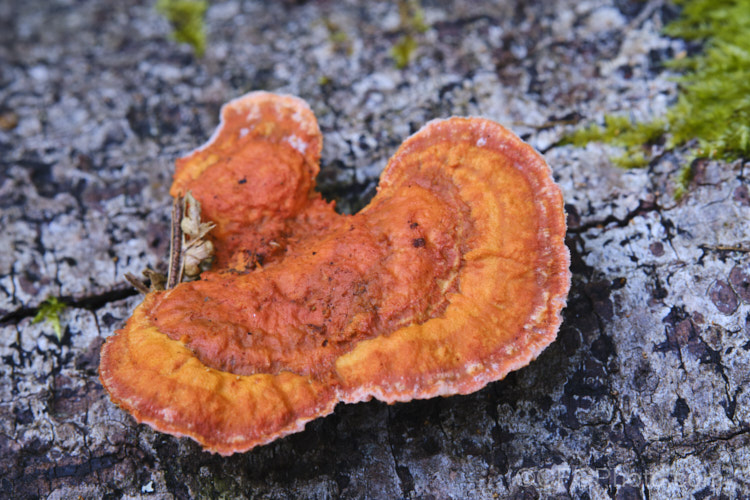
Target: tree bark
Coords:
[(643, 395)]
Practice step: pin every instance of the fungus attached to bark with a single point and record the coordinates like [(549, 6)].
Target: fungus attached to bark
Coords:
[(454, 275)]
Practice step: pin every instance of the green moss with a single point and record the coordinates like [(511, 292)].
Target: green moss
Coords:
[(186, 18), (631, 159), (412, 15), (714, 101), (338, 37), (335, 34), (621, 131), (713, 104), (50, 311), (618, 130), (683, 180), (412, 23), (403, 50)]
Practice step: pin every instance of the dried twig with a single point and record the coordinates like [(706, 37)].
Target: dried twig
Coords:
[(189, 251), (728, 248), (138, 284), (175, 244)]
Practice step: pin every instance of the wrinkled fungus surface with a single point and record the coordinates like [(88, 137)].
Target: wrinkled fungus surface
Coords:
[(454, 275)]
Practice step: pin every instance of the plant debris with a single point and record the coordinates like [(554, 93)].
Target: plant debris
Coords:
[(713, 105), (49, 312), (412, 23), (190, 251), (186, 18)]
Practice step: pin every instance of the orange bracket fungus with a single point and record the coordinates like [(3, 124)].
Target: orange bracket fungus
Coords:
[(454, 275)]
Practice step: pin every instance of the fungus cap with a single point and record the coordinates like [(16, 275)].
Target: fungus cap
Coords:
[(454, 275)]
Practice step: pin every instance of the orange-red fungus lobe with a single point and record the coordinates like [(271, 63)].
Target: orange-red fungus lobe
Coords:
[(454, 275)]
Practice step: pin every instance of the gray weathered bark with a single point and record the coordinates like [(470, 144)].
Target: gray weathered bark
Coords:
[(643, 395)]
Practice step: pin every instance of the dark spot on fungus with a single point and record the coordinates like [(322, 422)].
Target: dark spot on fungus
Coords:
[(316, 328), (418, 243)]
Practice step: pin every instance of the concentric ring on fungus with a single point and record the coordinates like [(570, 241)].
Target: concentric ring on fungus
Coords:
[(454, 275)]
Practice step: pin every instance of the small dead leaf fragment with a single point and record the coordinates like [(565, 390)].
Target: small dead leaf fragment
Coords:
[(196, 250), (195, 255), (454, 275), (191, 223)]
